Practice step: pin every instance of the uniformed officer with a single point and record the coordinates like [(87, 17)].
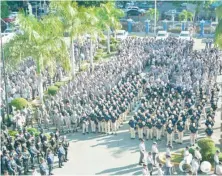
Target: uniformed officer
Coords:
[(61, 153), (50, 161), (65, 145), (180, 129), (26, 160), (140, 129), (169, 130), (4, 161), (209, 131), (85, 124), (33, 152), (19, 162), (113, 123), (12, 166), (158, 129), (149, 133), (193, 135), (132, 125), (43, 167)]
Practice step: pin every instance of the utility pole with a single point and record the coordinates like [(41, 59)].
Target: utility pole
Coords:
[(5, 81), (155, 19)]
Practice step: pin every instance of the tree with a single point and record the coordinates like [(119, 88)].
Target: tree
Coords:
[(72, 20), (186, 16), (90, 3), (4, 9), (41, 40), (218, 32), (109, 16), (150, 14)]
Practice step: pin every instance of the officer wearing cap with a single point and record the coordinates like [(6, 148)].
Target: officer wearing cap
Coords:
[(50, 161), (43, 167), (132, 124), (12, 166), (26, 159), (61, 154), (209, 131)]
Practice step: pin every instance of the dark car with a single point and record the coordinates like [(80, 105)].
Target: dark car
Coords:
[(133, 13)]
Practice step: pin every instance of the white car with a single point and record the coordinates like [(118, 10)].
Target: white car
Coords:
[(162, 35), (214, 25), (185, 35), (121, 34)]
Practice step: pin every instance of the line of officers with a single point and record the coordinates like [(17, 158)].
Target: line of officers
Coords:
[(110, 111), (26, 150), (167, 111)]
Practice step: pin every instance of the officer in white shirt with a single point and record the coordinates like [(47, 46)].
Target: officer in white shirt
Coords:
[(142, 148), (195, 166), (155, 152), (160, 171), (219, 169), (198, 155), (216, 160), (150, 162), (145, 170)]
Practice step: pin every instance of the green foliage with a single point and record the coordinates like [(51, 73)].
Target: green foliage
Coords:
[(52, 90), (97, 57), (186, 15), (4, 9), (113, 47), (59, 84), (83, 67), (19, 103), (34, 131), (150, 13), (208, 149), (177, 158), (90, 3), (12, 133), (113, 40), (103, 42)]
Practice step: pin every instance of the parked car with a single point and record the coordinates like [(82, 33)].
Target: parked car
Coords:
[(162, 35), (214, 25), (121, 34), (185, 35), (133, 13)]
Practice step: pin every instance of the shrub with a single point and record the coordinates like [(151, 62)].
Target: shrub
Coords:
[(52, 90), (208, 149), (59, 84), (99, 50), (19, 103), (103, 42), (34, 131), (113, 40), (175, 30), (97, 56), (12, 133), (113, 47)]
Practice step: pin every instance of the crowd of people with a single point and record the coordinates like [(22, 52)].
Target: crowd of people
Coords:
[(173, 94)]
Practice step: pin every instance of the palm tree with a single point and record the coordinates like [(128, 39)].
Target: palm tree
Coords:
[(150, 14), (67, 11), (186, 16), (41, 40), (218, 32), (109, 16)]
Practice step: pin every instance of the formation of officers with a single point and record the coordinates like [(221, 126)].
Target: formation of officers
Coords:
[(110, 110), (22, 155), (167, 111)]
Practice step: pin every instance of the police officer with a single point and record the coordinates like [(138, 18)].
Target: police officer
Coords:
[(180, 129), (4, 161), (169, 130), (12, 166), (158, 126), (19, 162), (43, 167), (149, 134), (140, 129), (61, 153), (193, 135), (132, 125), (113, 123), (33, 152), (26, 159), (65, 145), (209, 131), (50, 161)]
